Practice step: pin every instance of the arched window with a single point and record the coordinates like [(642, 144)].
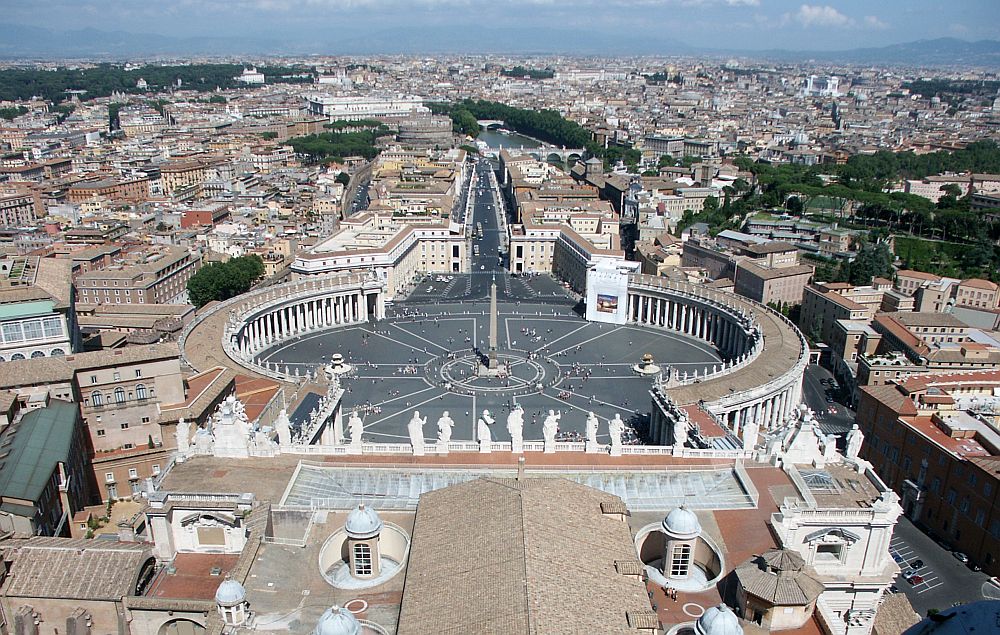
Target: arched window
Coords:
[(140, 391), (57, 352), (16, 357), (119, 395), (97, 398), (680, 561), (362, 559), (37, 354)]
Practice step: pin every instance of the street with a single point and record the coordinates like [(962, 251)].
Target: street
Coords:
[(834, 418)]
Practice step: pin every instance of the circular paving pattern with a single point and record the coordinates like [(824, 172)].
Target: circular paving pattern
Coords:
[(425, 357), (518, 373)]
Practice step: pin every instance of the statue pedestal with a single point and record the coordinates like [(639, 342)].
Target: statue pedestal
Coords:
[(354, 448), (418, 449), (517, 447), (593, 448), (616, 449), (441, 448), (550, 447), (485, 447)]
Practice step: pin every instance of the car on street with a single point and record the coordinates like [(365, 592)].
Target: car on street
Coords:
[(914, 580), (917, 564), (961, 557), (829, 400)]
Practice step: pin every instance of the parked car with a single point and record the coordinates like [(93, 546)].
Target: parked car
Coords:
[(964, 559), (917, 564), (909, 573), (898, 558), (914, 580)]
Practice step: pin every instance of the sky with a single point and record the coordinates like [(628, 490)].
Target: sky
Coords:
[(729, 24)]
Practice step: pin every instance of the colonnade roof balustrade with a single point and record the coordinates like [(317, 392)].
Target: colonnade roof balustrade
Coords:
[(780, 360)]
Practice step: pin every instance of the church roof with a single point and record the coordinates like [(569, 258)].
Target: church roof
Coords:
[(519, 556)]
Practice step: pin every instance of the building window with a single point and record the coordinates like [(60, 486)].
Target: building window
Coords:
[(133, 472), (100, 432), (128, 446), (112, 491), (951, 496), (93, 379), (156, 469), (362, 559), (138, 372), (680, 561), (980, 518), (119, 395), (140, 391), (109, 477), (145, 419), (829, 552), (97, 398), (124, 426), (117, 377)]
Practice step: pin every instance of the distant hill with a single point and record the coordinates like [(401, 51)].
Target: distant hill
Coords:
[(944, 51), (35, 42)]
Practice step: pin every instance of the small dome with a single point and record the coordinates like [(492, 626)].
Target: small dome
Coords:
[(363, 522), (682, 524), (718, 620), (337, 621), (230, 593)]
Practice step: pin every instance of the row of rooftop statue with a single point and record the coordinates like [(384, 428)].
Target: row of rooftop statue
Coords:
[(484, 432)]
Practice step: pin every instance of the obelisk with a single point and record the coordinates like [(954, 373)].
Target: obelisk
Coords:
[(493, 326)]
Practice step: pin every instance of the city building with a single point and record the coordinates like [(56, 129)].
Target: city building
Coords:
[(147, 275), (37, 308), (44, 475), (934, 439)]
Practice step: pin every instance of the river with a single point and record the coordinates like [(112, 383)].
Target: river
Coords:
[(497, 139)]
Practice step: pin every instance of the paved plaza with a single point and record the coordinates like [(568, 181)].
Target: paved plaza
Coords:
[(425, 356)]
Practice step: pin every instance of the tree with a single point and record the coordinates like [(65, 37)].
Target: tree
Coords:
[(224, 280), (344, 179), (794, 205), (269, 135)]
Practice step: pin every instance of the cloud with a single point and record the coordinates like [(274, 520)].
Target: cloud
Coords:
[(814, 15), (873, 22)]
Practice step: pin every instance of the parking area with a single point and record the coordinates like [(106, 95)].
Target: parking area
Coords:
[(913, 570), (941, 579)]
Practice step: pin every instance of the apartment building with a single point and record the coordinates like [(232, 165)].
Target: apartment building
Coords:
[(17, 210), (149, 275), (934, 440), (134, 190)]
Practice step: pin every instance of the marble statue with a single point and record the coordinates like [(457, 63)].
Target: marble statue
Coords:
[(483, 433), (183, 435), (830, 448), (549, 428), (488, 418), (750, 431), (416, 429), (283, 428), (591, 430), (616, 427), (854, 440), (445, 425), (680, 432), (356, 427), (515, 427)]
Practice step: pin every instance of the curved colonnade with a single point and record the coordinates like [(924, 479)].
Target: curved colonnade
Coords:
[(765, 356), (260, 319)]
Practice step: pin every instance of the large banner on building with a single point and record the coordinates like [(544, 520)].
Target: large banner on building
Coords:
[(607, 291)]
